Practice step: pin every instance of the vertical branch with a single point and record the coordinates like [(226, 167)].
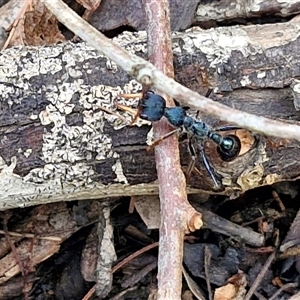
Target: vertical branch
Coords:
[(172, 185)]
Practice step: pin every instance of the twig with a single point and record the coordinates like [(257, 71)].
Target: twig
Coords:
[(122, 293), (207, 264), (31, 236), (136, 277), (21, 263), (147, 74), (285, 287), (260, 296), (223, 226), (121, 264), (260, 276), (278, 200), (15, 23), (132, 256)]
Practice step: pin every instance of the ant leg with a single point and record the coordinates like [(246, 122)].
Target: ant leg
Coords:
[(156, 142), (129, 109), (191, 166), (193, 155), (209, 168), (132, 111), (227, 128), (111, 113), (207, 96), (136, 95), (208, 93)]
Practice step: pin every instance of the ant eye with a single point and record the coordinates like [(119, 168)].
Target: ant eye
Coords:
[(230, 148)]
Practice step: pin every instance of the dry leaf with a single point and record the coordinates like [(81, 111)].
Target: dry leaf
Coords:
[(226, 292), (35, 25)]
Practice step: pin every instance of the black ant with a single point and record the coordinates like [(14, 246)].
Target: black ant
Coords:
[(152, 107)]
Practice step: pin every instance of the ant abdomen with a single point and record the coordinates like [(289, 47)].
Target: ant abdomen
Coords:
[(230, 147)]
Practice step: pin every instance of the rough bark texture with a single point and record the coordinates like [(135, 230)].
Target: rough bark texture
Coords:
[(55, 145), (109, 15), (228, 9)]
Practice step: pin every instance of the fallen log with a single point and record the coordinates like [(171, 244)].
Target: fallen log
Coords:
[(56, 145)]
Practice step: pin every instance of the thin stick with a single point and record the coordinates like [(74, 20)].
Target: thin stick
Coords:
[(172, 185), (147, 74), (260, 276), (15, 24), (31, 236), (207, 264)]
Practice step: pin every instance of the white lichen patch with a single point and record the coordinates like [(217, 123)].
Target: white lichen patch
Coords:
[(111, 66), (2, 163), (27, 152), (150, 137), (108, 98), (60, 96), (66, 147), (245, 81), (33, 117), (72, 54), (132, 41), (208, 11), (117, 168), (261, 74), (8, 63), (217, 44)]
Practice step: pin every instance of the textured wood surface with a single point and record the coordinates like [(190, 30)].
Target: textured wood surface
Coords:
[(226, 9), (55, 144)]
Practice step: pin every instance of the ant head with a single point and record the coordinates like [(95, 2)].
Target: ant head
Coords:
[(152, 106)]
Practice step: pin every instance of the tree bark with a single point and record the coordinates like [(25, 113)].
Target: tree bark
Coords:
[(218, 11), (55, 144)]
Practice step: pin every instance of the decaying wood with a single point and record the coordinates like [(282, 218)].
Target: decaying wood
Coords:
[(227, 9), (57, 146), (110, 15)]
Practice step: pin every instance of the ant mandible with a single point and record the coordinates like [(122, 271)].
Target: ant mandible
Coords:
[(152, 107)]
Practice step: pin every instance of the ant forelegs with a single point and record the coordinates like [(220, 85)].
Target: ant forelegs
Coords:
[(156, 142), (129, 109), (135, 95), (111, 113)]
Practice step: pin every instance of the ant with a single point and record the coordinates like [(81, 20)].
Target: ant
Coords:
[(152, 107)]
